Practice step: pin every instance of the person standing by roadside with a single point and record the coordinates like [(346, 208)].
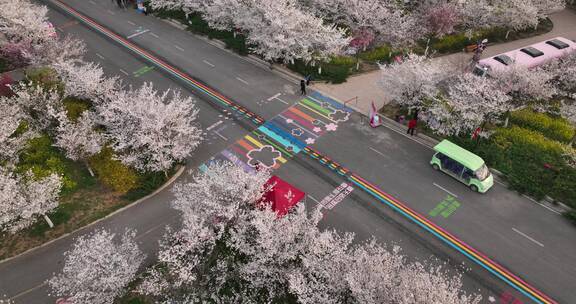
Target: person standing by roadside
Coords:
[(302, 87), (412, 123)]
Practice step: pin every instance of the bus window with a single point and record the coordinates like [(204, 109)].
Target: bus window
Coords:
[(557, 44), (532, 51), (504, 59)]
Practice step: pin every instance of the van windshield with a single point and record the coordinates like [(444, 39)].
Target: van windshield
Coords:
[(482, 173)]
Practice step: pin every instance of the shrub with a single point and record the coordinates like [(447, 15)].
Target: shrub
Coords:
[(43, 159), (554, 128), (382, 53), (571, 215), (45, 77), (75, 107), (147, 183), (335, 71), (521, 155), (450, 43), (112, 172)]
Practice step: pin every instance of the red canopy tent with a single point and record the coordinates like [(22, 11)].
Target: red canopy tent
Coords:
[(281, 195)]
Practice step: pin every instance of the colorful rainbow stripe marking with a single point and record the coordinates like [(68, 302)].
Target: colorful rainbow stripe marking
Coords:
[(299, 115), (212, 94), (471, 253)]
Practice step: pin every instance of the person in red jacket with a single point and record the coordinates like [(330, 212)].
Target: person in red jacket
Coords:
[(412, 126)]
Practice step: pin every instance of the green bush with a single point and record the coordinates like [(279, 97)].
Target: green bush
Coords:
[(112, 172), (554, 128), (43, 159), (335, 71), (571, 215), (382, 53), (147, 183), (75, 107), (521, 155), (45, 77), (451, 43)]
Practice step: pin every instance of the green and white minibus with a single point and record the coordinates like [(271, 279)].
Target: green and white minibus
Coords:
[(463, 165)]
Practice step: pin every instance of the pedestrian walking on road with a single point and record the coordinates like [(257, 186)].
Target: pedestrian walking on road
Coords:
[(412, 126), (308, 78), (302, 87)]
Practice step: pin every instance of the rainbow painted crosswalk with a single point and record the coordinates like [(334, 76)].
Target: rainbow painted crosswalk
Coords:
[(279, 139)]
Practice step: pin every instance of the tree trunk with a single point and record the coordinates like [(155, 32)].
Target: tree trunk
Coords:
[(427, 46), (48, 221), (507, 33), (89, 168), (166, 174)]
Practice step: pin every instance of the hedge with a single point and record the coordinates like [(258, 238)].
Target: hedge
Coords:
[(521, 155), (457, 42), (555, 128), (335, 71), (112, 172)]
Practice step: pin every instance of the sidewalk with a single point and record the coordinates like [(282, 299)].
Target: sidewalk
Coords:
[(366, 87)]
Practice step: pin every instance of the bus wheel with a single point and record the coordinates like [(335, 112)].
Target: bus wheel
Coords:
[(436, 167), (474, 188)]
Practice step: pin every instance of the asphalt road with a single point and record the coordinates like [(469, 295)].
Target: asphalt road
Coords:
[(23, 278), (531, 241)]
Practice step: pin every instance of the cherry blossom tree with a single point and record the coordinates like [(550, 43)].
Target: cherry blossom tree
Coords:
[(275, 29), (229, 251), (378, 275), (79, 139), (26, 25), (23, 199), (282, 30), (390, 22), (98, 268), (564, 73), (86, 80), (151, 131), (526, 85), (38, 104), (11, 116), (469, 103), (440, 18), (209, 205), (413, 82)]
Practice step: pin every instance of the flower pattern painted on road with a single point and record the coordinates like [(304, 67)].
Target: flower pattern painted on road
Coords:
[(339, 116), (297, 132), (331, 127), (266, 157)]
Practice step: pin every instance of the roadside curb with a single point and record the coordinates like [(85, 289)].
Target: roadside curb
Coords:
[(134, 203)]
